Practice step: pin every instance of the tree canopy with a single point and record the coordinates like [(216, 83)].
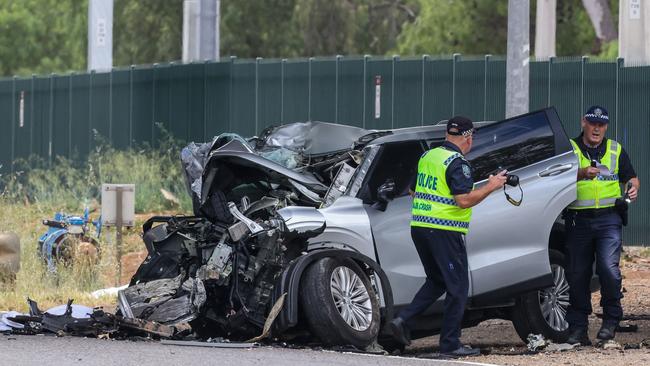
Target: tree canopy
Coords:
[(43, 36)]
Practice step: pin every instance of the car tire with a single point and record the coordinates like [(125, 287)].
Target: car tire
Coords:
[(339, 303), (544, 311)]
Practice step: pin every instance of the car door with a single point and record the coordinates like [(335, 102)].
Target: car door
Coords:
[(507, 245), (391, 226)]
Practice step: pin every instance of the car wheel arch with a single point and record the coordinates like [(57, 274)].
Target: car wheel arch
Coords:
[(290, 278)]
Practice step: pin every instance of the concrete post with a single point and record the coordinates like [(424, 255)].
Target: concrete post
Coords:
[(100, 35), (545, 24), (517, 63), (200, 30), (634, 31)]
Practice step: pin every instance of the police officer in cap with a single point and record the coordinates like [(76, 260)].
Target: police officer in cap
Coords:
[(441, 215), (595, 226)]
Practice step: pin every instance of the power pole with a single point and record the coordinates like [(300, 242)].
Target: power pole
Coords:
[(517, 70), (634, 31), (545, 24), (200, 30), (100, 35)]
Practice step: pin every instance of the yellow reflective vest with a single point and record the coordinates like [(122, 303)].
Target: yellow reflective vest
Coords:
[(602, 191), (434, 205)]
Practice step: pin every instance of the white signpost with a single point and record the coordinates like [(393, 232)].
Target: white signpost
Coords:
[(118, 210)]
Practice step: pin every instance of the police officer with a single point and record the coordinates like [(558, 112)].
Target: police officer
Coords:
[(441, 215), (595, 226)]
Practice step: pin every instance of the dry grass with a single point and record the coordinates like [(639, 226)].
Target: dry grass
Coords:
[(73, 282), (36, 190)]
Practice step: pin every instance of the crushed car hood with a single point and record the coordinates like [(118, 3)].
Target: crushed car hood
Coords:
[(312, 138), (249, 166)]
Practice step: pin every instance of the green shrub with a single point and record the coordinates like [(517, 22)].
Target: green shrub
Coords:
[(71, 185)]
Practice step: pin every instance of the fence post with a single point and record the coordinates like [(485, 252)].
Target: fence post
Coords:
[(31, 117), (131, 104), (232, 68), (51, 120), (169, 97), (13, 120), (90, 110), (619, 64), (70, 114), (282, 65), (456, 59), (583, 62), (153, 103), (311, 60), (205, 100), (485, 88), (110, 107), (336, 89), (392, 92), (365, 87), (425, 58), (257, 87)]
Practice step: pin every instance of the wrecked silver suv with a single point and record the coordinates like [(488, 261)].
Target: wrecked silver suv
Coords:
[(304, 230)]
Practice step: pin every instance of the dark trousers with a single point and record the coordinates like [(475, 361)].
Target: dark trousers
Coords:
[(598, 237), (444, 258)]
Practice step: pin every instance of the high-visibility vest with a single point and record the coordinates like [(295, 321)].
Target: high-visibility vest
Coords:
[(603, 190), (434, 205)]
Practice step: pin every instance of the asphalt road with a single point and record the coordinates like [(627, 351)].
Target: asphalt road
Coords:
[(43, 350)]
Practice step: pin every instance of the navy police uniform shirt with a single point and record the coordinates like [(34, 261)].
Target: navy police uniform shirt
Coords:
[(458, 175), (625, 169)]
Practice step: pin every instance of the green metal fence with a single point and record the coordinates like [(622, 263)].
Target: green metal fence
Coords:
[(59, 115)]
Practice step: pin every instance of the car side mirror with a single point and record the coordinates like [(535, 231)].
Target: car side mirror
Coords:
[(385, 194)]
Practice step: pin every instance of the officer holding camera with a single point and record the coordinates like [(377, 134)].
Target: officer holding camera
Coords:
[(594, 224), (441, 212)]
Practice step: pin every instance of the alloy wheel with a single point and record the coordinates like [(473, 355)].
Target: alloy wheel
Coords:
[(351, 298), (554, 300)]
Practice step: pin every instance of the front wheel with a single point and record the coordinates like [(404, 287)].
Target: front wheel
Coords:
[(544, 311), (339, 303)]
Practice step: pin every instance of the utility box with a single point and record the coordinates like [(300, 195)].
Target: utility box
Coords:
[(118, 205)]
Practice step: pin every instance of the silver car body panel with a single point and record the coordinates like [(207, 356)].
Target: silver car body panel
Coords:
[(347, 223), (493, 245), (395, 248), (302, 219)]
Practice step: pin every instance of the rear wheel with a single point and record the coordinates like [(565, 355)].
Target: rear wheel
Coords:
[(544, 311), (339, 303)]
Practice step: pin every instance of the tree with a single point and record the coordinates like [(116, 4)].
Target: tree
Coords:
[(252, 29), (448, 26), (42, 36), (601, 18), (147, 31), (480, 27), (352, 26)]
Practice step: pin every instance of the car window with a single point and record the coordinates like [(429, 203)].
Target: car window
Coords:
[(511, 144), (396, 161)]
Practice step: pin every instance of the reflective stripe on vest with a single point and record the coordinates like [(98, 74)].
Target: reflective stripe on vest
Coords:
[(433, 204), (602, 191)]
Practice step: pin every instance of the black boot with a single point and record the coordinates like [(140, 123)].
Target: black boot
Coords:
[(579, 335), (400, 331), (462, 351), (607, 331)]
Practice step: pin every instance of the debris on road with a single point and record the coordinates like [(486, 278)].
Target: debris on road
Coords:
[(559, 347), (111, 291), (536, 342), (610, 344)]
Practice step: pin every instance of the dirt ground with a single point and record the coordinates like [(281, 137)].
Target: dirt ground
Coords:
[(500, 344)]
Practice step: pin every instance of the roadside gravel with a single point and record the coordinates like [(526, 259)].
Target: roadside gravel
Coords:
[(501, 345)]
